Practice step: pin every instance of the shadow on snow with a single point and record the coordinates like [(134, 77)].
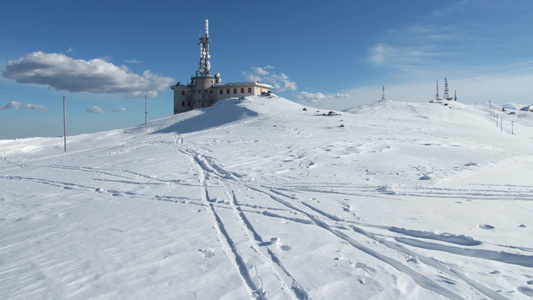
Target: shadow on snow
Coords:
[(210, 118)]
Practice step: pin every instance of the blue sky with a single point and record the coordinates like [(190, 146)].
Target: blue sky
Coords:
[(104, 56)]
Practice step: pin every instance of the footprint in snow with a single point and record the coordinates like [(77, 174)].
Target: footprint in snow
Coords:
[(413, 260), (526, 290), (207, 252), (485, 226), (276, 241)]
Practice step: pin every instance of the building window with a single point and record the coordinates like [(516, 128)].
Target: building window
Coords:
[(188, 103), (182, 103), (199, 91), (211, 91), (250, 90), (242, 90), (261, 91), (221, 92), (183, 92), (235, 91), (227, 92)]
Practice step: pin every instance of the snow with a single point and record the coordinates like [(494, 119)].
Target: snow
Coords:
[(259, 198)]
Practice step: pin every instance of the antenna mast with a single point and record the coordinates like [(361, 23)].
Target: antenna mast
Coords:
[(437, 93), (446, 96), (383, 94), (205, 65)]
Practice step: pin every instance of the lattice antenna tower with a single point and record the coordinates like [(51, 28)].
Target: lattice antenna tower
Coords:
[(446, 95), (383, 94), (205, 65), (437, 92)]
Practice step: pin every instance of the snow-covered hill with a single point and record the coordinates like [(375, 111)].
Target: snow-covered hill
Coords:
[(262, 198)]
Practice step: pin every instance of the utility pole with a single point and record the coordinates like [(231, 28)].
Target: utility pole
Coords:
[(145, 111), (64, 125)]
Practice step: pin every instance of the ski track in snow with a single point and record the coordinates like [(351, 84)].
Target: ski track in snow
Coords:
[(258, 261), (208, 166), (211, 170), (425, 282)]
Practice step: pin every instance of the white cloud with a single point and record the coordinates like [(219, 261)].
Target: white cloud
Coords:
[(18, 105), (311, 97), (133, 61), (98, 110), (339, 96), (260, 71), (280, 82), (336, 101), (252, 77), (35, 107), (119, 109), (95, 109), (403, 56), (12, 104), (381, 54), (61, 72)]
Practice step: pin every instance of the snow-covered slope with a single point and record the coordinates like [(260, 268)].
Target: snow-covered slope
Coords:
[(262, 198)]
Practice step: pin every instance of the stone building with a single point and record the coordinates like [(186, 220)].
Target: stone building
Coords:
[(205, 89)]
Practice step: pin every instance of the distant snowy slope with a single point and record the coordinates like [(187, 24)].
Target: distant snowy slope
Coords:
[(264, 198)]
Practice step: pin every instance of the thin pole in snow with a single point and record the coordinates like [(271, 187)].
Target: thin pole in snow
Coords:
[(64, 125), (512, 127), (145, 111)]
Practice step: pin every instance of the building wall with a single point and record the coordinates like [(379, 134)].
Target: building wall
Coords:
[(233, 90), (202, 92), (182, 98)]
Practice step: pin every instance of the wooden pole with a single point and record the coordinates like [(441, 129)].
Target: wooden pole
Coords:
[(145, 111), (64, 125)]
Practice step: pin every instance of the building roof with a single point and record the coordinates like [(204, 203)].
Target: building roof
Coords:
[(232, 84), (242, 84)]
